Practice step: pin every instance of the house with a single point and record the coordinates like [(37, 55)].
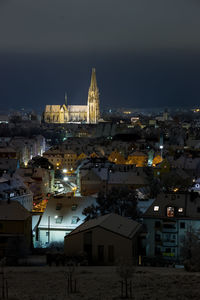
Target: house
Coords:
[(8, 165), (105, 239), (167, 221), (62, 215), (15, 229), (106, 178), (137, 158), (12, 188), (39, 180)]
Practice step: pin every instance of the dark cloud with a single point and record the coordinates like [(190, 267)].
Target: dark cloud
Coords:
[(99, 26), (158, 80), (146, 52)]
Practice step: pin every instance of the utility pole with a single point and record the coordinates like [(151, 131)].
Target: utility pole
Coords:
[(49, 229)]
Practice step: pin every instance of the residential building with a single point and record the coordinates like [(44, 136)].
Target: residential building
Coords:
[(62, 214), (12, 188), (102, 239), (104, 178), (15, 229), (167, 221)]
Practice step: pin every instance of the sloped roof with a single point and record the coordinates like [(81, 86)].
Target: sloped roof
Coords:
[(9, 183), (190, 202), (112, 222), (66, 211), (77, 108), (138, 153), (101, 172), (13, 211), (8, 164), (7, 149), (52, 108), (126, 178)]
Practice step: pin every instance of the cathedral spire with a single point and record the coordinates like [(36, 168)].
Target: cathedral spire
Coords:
[(65, 98), (93, 113), (93, 84)]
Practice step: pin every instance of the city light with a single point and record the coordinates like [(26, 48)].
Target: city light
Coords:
[(65, 178), (64, 170)]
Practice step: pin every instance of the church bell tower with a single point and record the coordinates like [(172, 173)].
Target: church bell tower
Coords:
[(93, 111)]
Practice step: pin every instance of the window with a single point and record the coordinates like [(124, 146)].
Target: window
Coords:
[(75, 220), (3, 239), (74, 206), (157, 251), (59, 219), (169, 226), (58, 206), (182, 225), (157, 224), (157, 237), (156, 208), (168, 250), (170, 212), (180, 210), (47, 233)]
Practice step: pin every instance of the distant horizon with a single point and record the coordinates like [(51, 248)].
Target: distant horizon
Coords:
[(105, 109)]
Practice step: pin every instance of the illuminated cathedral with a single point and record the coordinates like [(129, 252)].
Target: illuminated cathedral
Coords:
[(65, 113)]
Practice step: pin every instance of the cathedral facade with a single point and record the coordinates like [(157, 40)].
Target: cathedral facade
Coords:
[(65, 113)]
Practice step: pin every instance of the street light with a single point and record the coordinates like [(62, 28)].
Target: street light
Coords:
[(161, 151)]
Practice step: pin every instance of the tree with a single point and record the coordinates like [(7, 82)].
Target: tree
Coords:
[(154, 182), (120, 201), (172, 180), (190, 250), (125, 269)]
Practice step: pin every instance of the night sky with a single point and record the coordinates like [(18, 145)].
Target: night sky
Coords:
[(146, 52)]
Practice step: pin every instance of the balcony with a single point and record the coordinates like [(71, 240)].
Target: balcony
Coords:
[(169, 227), (169, 230), (169, 243)]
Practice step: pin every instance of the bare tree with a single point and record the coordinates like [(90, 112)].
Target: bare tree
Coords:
[(4, 283), (125, 269)]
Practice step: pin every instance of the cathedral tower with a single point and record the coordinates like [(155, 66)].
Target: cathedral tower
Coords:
[(93, 112)]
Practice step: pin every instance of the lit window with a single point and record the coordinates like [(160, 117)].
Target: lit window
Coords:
[(156, 208), (170, 212), (180, 210)]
